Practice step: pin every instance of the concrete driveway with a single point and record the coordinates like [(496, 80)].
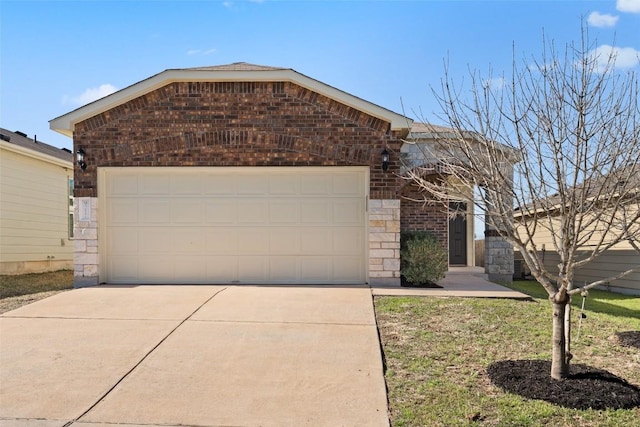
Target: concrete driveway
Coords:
[(193, 355)]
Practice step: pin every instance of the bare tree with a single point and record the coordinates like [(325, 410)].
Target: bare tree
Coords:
[(554, 148)]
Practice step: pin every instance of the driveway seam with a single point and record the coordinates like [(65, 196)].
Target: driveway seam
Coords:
[(105, 394)]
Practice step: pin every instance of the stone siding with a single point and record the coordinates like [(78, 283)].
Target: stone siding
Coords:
[(384, 242), (85, 243)]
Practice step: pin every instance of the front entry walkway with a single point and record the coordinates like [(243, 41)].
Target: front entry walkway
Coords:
[(193, 355), (458, 282)]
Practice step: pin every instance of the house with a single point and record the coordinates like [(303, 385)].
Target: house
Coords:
[(36, 205), (238, 173), (613, 261)]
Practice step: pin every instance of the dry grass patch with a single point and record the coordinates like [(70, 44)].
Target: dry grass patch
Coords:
[(437, 351), (16, 291)]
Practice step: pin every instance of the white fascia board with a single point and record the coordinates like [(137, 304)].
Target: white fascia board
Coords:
[(65, 123), (35, 155)]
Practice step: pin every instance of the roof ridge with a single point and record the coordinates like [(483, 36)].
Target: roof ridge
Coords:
[(235, 66)]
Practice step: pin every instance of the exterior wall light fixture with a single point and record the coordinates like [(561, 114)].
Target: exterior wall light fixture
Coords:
[(385, 159), (80, 158)]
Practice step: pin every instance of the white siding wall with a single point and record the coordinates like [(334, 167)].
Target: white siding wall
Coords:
[(34, 209)]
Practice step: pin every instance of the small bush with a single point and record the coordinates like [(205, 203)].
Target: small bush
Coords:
[(423, 259)]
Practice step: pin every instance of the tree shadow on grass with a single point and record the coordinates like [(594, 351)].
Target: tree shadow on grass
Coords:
[(629, 338), (586, 388)]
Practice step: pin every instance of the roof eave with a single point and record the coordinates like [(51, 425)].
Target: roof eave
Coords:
[(25, 151), (65, 124)]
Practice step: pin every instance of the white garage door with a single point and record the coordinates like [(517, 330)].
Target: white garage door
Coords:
[(234, 225)]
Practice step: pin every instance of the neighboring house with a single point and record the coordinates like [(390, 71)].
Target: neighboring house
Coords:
[(240, 174), (620, 258), (36, 205)]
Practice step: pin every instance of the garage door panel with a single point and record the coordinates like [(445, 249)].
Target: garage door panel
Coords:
[(253, 241), (284, 212), (189, 240), (316, 241), (191, 269), (284, 241), (252, 211), (283, 269), (123, 212), (315, 212), (348, 211), (156, 240), (156, 269), (219, 185), (123, 269), (186, 184), (316, 269), (252, 185), (347, 184), (123, 184), (343, 269), (221, 241), (124, 240), (155, 211), (346, 241), (186, 211), (253, 269), (235, 225), (315, 184), (221, 269), (283, 185), (221, 211), (155, 184)]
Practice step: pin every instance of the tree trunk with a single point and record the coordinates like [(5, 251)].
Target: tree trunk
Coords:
[(559, 356), (567, 331)]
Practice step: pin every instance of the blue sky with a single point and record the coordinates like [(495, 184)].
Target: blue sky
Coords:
[(58, 55)]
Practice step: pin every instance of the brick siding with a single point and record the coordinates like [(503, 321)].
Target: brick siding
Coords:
[(417, 216), (236, 124)]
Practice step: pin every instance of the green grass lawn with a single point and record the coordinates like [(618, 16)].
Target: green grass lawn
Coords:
[(437, 350), (26, 284)]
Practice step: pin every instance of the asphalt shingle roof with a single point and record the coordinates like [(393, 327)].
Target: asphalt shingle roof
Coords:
[(37, 146)]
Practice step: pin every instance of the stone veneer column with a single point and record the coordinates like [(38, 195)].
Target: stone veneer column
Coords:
[(498, 258), (384, 242), (85, 242)]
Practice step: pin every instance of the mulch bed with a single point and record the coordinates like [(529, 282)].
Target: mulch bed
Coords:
[(629, 338), (587, 387), (404, 282)]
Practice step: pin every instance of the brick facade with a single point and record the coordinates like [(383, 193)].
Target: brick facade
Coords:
[(418, 216), (241, 124), (236, 124)]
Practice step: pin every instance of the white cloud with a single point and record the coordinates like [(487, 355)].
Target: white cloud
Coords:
[(201, 52), (496, 83), (632, 6), (89, 95), (596, 19), (624, 57)]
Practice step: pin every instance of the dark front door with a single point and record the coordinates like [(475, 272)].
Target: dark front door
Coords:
[(458, 236)]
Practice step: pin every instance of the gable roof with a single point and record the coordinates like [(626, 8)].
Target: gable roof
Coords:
[(236, 72), (19, 142)]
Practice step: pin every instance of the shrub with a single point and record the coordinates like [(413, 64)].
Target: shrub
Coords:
[(423, 259)]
